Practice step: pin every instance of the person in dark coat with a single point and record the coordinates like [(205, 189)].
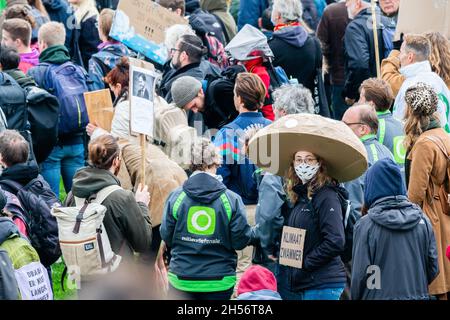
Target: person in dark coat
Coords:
[(60, 11), (318, 210), (331, 33), (250, 11), (294, 50), (394, 248), (359, 46), (186, 58)]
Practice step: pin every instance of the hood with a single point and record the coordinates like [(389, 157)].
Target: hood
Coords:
[(7, 229), (396, 213), (383, 179), (21, 78), (415, 69), (294, 35), (260, 295), (214, 5), (247, 40), (88, 181), (22, 172), (55, 55), (31, 58), (203, 187)]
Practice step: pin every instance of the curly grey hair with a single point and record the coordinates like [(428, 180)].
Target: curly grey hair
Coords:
[(290, 10), (293, 99), (174, 33), (204, 155)]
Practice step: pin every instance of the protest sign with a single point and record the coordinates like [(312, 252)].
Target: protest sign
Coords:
[(291, 250), (100, 108), (33, 282), (141, 24), (418, 16)]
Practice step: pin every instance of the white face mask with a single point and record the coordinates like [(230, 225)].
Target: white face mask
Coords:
[(306, 172)]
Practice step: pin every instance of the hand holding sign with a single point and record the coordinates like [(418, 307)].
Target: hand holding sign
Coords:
[(291, 250)]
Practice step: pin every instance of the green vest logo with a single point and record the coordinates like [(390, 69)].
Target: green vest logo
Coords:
[(201, 221), (399, 150)]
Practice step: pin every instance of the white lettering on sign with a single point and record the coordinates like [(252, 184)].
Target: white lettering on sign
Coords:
[(33, 282), (291, 250)]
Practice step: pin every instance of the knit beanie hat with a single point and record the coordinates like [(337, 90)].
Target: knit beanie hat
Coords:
[(422, 99), (184, 90), (257, 278)]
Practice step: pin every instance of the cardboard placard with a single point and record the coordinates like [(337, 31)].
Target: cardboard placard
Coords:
[(419, 16), (291, 250), (142, 94), (141, 25), (100, 108)]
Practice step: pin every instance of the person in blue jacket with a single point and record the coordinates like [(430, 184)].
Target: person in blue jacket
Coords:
[(394, 248), (204, 223), (250, 11), (110, 51), (60, 11)]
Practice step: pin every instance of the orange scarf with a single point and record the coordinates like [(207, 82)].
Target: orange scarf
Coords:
[(284, 25)]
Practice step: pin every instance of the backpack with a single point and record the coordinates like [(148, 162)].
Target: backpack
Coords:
[(68, 83), (43, 115), (349, 220), (83, 238), (37, 199), (216, 51), (278, 78), (220, 97), (8, 284), (31, 276), (205, 23), (13, 103)]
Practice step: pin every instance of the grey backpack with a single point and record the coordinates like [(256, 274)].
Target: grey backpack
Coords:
[(8, 284)]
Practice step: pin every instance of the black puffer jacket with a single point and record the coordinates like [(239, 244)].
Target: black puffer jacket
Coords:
[(322, 218)]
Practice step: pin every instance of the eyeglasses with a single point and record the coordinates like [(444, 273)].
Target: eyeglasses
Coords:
[(308, 161), (173, 50)]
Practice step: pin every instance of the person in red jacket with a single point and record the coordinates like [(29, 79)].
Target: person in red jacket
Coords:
[(256, 66), (448, 252)]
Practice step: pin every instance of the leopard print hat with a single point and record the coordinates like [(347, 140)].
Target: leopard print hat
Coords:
[(422, 98)]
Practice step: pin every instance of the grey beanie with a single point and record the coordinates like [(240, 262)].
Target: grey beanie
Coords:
[(184, 90)]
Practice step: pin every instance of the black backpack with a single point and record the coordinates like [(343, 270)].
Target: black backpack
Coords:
[(205, 23), (349, 220), (37, 199), (220, 97), (13, 103), (43, 115)]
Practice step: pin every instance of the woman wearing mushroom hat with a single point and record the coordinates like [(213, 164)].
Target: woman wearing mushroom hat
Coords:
[(316, 154)]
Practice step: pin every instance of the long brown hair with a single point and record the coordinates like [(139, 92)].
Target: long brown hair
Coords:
[(440, 55), (415, 125), (321, 179)]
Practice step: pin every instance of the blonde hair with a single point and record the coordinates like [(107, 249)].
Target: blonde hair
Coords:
[(320, 180), (440, 55), (419, 45), (85, 9), (105, 21), (52, 33)]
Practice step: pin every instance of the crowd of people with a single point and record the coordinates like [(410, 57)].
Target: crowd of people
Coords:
[(196, 211)]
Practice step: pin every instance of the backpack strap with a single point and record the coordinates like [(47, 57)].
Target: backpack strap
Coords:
[(105, 192), (440, 144), (11, 186)]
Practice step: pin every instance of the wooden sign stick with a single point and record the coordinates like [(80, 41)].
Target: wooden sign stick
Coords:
[(375, 38), (143, 157)]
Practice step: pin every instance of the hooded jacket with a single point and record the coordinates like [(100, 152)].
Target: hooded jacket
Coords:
[(322, 218), (375, 151), (219, 8), (396, 237), (104, 61), (21, 78), (22, 173), (29, 60), (126, 221), (359, 48), (203, 224), (295, 51), (422, 72)]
